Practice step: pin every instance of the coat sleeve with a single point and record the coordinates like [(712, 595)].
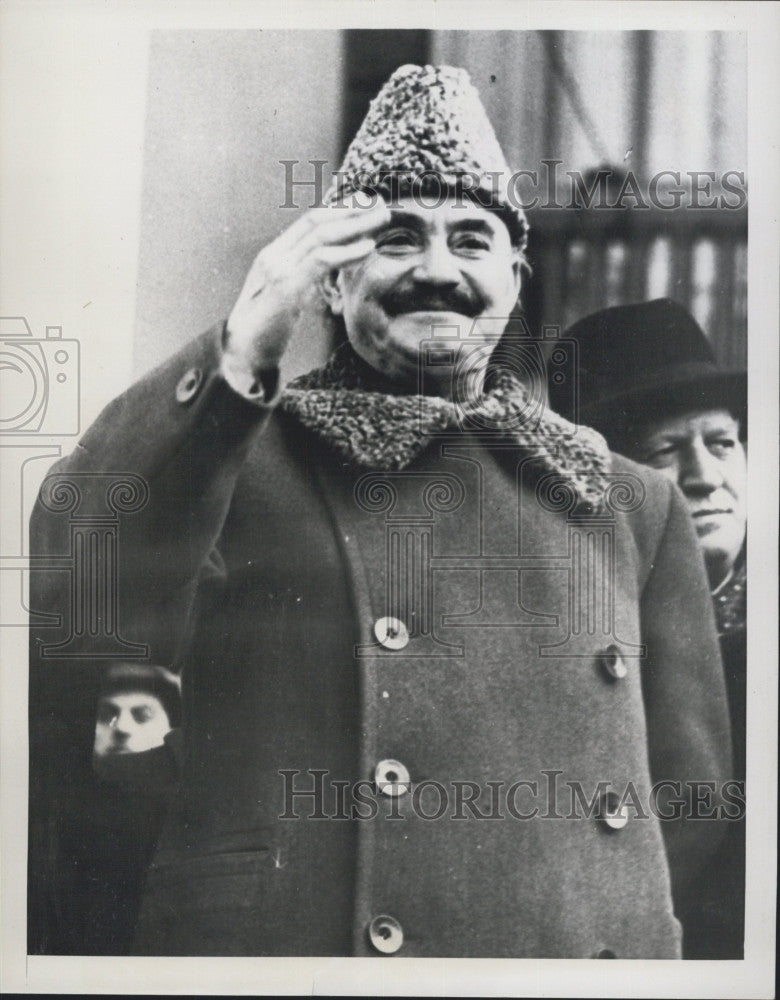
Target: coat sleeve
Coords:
[(151, 481), (161, 461), (685, 696)]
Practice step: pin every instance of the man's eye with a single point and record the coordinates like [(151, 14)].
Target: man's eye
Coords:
[(396, 240), (659, 456), (470, 242), (142, 714), (721, 446)]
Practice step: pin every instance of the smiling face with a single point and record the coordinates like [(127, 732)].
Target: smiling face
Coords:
[(431, 267), (129, 722), (702, 453)]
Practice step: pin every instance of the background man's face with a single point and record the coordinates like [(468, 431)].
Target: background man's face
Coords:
[(702, 453), (129, 723), (431, 267)]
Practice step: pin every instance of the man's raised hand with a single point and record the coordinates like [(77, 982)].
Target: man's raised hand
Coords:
[(286, 273)]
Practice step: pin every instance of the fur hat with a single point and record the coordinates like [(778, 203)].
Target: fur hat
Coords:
[(427, 128)]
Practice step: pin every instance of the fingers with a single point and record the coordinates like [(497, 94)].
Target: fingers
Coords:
[(339, 255), (294, 269), (336, 240), (343, 229), (333, 225), (284, 272), (302, 244), (324, 237)]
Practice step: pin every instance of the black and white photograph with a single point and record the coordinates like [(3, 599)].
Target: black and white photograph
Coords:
[(378, 514)]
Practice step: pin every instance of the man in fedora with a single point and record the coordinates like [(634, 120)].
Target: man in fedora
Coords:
[(429, 636), (649, 382)]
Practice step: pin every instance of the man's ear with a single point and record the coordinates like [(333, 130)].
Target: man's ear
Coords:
[(518, 265), (331, 290)]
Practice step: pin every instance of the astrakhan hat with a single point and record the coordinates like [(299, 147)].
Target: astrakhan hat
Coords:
[(641, 362), (428, 127)]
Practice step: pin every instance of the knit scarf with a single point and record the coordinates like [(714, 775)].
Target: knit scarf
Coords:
[(362, 416)]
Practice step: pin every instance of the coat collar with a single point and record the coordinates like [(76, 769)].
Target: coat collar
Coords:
[(364, 418)]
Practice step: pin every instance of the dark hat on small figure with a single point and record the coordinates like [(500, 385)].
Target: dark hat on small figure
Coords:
[(149, 679), (642, 362)]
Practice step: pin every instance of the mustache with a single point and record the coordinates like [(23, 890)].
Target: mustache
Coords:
[(426, 298)]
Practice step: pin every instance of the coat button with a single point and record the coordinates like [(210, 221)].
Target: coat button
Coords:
[(385, 934), (613, 663), (391, 777), (188, 385), (613, 815), (391, 632)]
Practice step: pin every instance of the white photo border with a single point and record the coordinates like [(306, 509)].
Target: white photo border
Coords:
[(34, 35)]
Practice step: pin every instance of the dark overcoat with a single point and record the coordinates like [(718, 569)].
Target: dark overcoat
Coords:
[(464, 674)]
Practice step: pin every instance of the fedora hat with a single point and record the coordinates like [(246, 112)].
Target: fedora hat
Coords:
[(643, 361)]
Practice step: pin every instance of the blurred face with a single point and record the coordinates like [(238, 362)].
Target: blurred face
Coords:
[(128, 723), (702, 453), (431, 267)]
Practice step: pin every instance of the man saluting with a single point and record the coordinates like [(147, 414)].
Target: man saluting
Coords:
[(449, 668)]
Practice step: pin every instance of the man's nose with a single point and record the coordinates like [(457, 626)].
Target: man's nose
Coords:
[(123, 724), (700, 471), (437, 265)]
